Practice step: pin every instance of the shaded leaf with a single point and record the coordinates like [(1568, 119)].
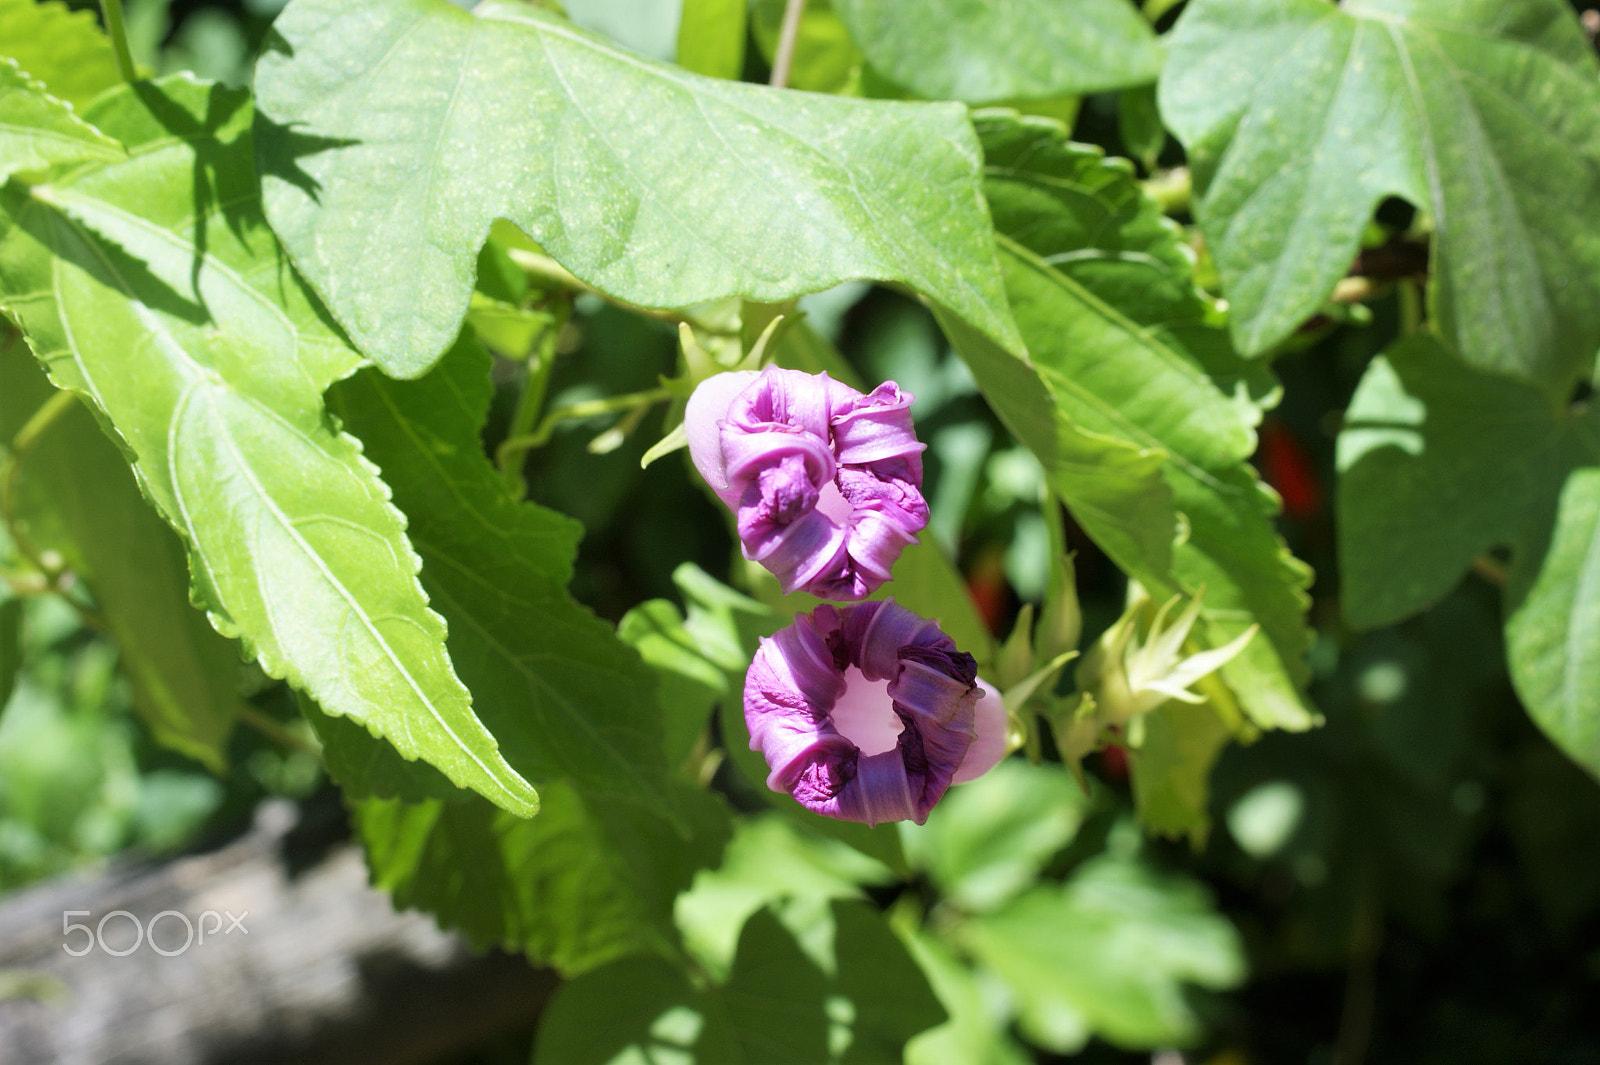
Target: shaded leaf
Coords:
[(1299, 117), (730, 189), (79, 499), (768, 862), (1553, 629), (59, 46), (564, 698), (154, 289), (1493, 465), (857, 1003), (38, 132), (975, 1034), (588, 881), (1027, 49)]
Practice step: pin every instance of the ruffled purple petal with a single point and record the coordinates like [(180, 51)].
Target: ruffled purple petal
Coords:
[(796, 679), (826, 482)]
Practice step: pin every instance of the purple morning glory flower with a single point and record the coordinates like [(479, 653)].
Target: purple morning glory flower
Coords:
[(826, 483), (869, 713)]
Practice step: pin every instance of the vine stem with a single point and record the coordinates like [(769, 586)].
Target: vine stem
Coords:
[(513, 447), (531, 400), (783, 57), (118, 32), (49, 412), (544, 268), (276, 733)]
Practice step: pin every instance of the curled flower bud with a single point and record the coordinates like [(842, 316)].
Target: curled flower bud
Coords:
[(869, 713), (826, 483)]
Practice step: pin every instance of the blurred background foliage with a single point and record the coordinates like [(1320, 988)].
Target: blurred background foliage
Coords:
[(1418, 880)]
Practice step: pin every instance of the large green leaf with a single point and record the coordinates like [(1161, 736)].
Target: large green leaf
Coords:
[(59, 46), (588, 881), (79, 499), (1104, 296), (38, 132), (153, 288), (984, 52), (1301, 116), (394, 131), (563, 696), (836, 991), (1492, 464), (1108, 953)]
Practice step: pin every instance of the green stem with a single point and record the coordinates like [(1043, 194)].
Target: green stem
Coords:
[(1410, 307), (531, 401), (49, 412), (514, 447), (783, 57), (118, 32), (275, 732), (543, 268)]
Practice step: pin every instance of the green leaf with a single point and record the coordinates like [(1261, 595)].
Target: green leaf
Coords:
[(564, 698), (768, 862), (154, 288), (588, 881), (1301, 116), (699, 658), (711, 38), (1492, 464), (987, 840), (731, 190), (1139, 125), (79, 499), (1553, 628), (1104, 295), (1483, 457), (857, 999), (1171, 769), (1108, 953), (1024, 50), (974, 1034), (59, 46), (38, 132)]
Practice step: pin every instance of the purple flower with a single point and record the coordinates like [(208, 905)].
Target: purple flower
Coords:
[(826, 483), (869, 712)]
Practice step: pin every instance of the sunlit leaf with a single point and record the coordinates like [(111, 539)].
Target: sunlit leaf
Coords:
[(37, 131), (1026, 49), (1108, 953), (562, 696), (1301, 116), (656, 185), (711, 37), (154, 289), (1103, 293), (59, 46)]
